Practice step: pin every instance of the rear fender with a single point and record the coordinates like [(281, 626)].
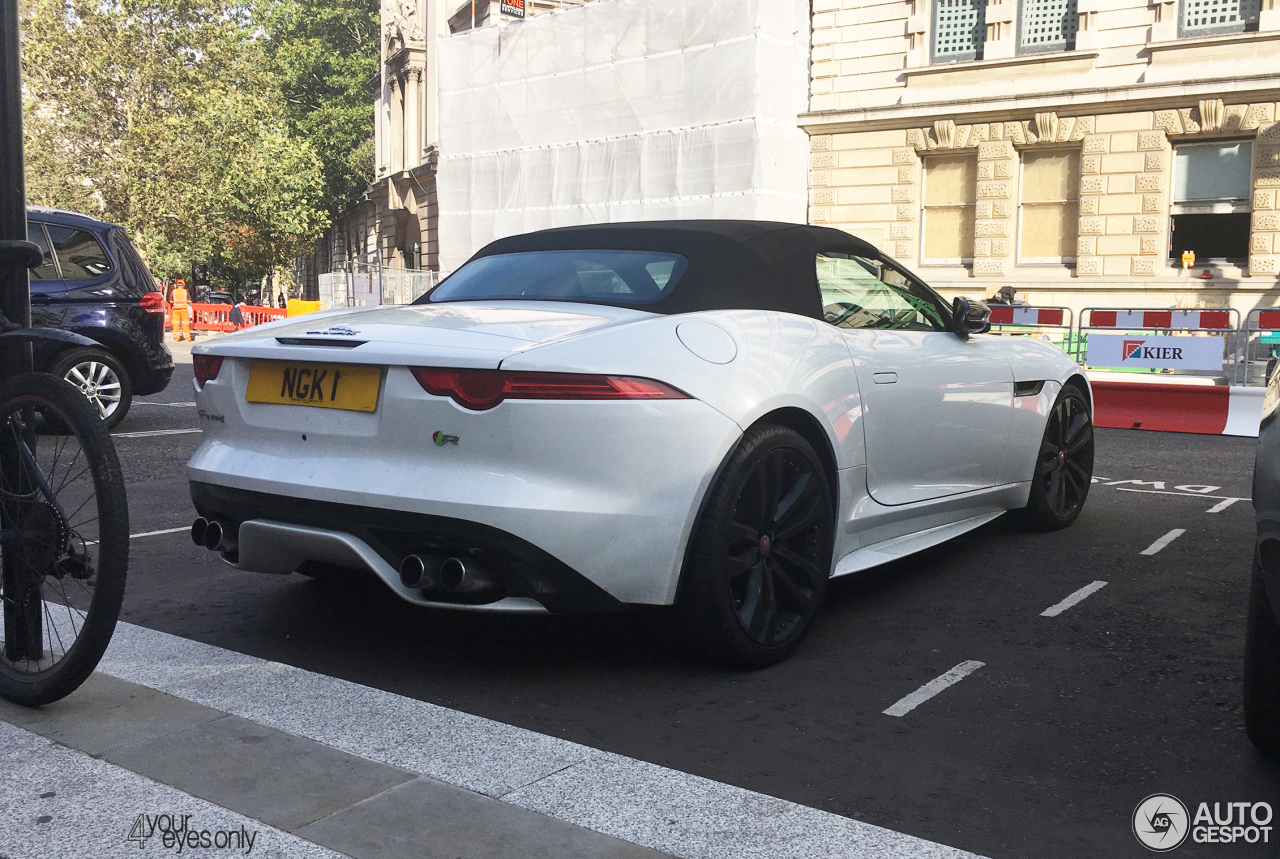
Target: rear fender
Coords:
[(779, 361)]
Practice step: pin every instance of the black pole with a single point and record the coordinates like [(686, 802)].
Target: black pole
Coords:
[(22, 604), (15, 292)]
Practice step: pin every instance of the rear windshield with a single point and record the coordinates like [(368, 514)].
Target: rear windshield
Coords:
[(589, 276)]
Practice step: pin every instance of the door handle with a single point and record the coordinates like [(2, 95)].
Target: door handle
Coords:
[(885, 378)]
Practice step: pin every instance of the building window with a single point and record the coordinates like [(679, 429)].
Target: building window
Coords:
[(1211, 201), (1047, 25), (1049, 209), (950, 192), (959, 29), (1209, 17)]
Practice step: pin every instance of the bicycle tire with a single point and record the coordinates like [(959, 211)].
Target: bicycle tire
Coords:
[(43, 547)]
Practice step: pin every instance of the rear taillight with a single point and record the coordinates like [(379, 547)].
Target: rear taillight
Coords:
[(484, 389), (152, 302), (206, 367)]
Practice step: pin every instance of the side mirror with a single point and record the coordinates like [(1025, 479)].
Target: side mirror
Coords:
[(969, 317)]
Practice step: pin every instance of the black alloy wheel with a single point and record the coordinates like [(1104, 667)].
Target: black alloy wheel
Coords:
[(762, 553), (1064, 465), (1262, 667)]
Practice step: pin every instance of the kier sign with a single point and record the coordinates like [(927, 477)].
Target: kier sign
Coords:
[(1156, 352), (514, 8)]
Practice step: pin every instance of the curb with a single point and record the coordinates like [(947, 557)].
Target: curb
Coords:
[(1203, 409)]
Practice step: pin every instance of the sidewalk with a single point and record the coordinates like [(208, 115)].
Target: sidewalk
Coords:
[(260, 758)]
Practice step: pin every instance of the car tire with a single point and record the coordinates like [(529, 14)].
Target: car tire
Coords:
[(101, 378), (1064, 465), (754, 577), (1262, 668)]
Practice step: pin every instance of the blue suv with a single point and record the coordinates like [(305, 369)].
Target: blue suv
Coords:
[(93, 283)]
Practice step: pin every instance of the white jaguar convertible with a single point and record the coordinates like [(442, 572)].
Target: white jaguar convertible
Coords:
[(719, 415)]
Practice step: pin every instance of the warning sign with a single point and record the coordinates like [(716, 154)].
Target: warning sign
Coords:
[(514, 8)]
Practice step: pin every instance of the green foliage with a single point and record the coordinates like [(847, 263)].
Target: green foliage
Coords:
[(324, 55), (164, 116)]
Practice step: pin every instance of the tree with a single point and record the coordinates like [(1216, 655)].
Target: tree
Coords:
[(164, 117), (324, 55)]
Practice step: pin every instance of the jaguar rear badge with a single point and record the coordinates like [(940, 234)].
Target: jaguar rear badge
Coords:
[(442, 439)]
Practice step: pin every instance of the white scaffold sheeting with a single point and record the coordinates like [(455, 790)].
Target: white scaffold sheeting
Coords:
[(623, 110)]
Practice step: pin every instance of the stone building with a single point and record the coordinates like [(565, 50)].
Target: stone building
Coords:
[(1073, 149)]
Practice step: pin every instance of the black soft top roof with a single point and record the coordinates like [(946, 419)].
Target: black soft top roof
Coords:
[(733, 265)]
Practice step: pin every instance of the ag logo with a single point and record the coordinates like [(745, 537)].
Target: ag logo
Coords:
[(442, 439), (1160, 822)]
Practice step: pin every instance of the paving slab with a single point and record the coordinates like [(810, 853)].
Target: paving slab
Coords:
[(278, 778), (430, 819), (59, 803), (106, 713)]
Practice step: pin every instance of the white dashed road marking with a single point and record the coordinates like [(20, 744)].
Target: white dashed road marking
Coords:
[(158, 533), (1224, 504), (1164, 541), (147, 433), (933, 687), (1078, 596), (149, 534)]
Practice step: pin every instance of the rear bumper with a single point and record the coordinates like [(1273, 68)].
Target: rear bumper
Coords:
[(282, 533), (605, 490)]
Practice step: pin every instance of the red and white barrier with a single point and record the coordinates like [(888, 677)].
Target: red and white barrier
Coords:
[(1205, 409), (1144, 319), (1029, 316)]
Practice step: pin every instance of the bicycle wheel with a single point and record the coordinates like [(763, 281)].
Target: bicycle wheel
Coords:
[(64, 538)]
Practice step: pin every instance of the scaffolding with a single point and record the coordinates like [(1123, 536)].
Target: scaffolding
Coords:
[(621, 110)]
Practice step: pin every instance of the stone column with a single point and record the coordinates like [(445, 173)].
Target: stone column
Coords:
[(902, 231), (412, 119), (1264, 237), (1123, 213), (993, 228), (396, 158), (821, 195)]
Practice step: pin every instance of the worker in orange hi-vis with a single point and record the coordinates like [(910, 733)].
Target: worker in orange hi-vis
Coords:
[(181, 311)]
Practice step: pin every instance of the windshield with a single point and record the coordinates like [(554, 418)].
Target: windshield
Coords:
[(589, 276)]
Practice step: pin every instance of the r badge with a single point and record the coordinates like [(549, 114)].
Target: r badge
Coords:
[(442, 439)]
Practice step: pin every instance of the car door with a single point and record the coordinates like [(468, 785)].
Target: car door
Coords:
[(46, 281), (938, 408)]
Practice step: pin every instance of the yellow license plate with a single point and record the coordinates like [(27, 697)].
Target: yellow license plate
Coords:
[(326, 386)]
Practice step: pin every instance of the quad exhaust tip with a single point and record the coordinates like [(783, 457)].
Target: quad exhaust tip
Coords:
[(213, 535), (465, 576), (453, 575), (421, 572)]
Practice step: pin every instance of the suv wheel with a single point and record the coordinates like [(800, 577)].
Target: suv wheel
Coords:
[(101, 378)]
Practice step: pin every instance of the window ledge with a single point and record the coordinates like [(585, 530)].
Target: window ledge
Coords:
[(1208, 41), (1049, 57)]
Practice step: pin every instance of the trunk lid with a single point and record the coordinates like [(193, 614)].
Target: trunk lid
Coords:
[(460, 334)]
